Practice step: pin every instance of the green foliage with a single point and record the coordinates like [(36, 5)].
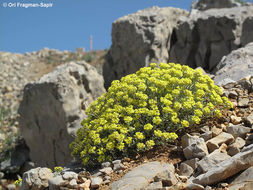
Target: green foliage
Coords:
[(242, 2), (89, 57), (18, 182), (57, 170), (146, 109), (8, 144)]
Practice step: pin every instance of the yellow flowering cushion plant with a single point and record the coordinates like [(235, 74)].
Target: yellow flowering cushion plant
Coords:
[(146, 109)]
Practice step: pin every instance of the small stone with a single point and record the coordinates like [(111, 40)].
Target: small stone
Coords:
[(118, 166), (97, 174), (204, 129), (214, 143), (96, 182), (107, 177), (194, 186), (166, 177), (183, 178), (106, 182), (216, 131), (1, 175), (106, 164), (69, 175), (185, 170), (238, 130), (249, 139), (196, 150), (232, 94), (206, 136), (243, 102), (73, 184), (106, 170), (236, 120), (116, 162), (234, 148), (193, 163), (249, 120), (56, 182), (187, 140), (11, 187), (87, 183)]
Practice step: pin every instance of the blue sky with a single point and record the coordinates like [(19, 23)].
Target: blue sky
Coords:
[(68, 24)]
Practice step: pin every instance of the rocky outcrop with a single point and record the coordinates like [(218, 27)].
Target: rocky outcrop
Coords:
[(203, 38), (52, 109), (203, 5), (138, 39), (235, 66)]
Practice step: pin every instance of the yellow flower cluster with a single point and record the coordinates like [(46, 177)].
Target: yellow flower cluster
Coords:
[(145, 109)]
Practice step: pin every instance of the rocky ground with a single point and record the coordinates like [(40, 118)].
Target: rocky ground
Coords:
[(217, 154), (16, 71)]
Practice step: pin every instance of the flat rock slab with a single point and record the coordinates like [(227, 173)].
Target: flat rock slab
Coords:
[(141, 176), (214, 143), (244, 179), (227, 168)]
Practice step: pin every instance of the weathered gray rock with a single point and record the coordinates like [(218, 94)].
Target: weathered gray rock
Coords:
[(242, 180), (205, 37), (247, 29), (56, 182), (52, 109), (187, 140), (185, 170), (249, 120), (211, 160), (227, 168), (197, 149), (207, 135), (194, 186), (193, 163), (211, 4), (11, 187), (138, 39), (36, 178), (154, 186), (96, 182), (166, 177), (236, 65), (238, 130), (141, 176), (69, 175), (236, 146), (215, 142)]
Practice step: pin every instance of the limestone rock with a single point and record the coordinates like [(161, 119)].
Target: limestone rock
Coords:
[(36, 178), (139, 39), (56, 182), (214, 143), (249, 120), (141, 176), (236, 146), (242, 180), (52, 109), (236, 65), (211, 4), (188, 139), (196, 150), (206, 36), (211, 160), (185, 170), (238, 130), (227, 168), (96, 182)]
